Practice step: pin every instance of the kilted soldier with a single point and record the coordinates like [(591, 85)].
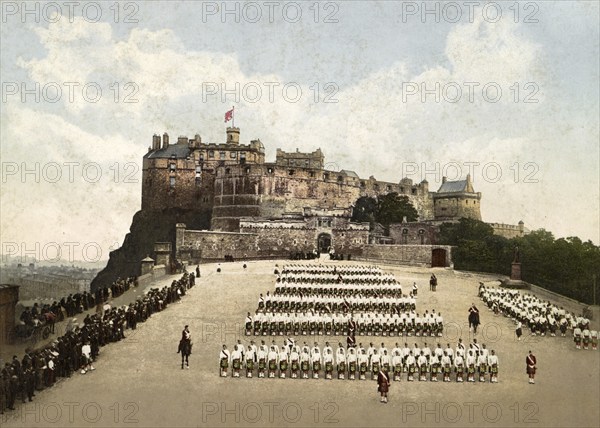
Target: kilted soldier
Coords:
[(563, 327), (250, 357), (363, 361), (586, 338), (328, 362), (340, 359), (471, 361), (315, 358), (493, 363), (594, 339), (519, 330), (283, 362), (434, 363), (482, 366), (386, 361), (248, 324), (397, 365), (272, 360), (352, 363), (577, 337), (530, 363), (224, 358), (459, 367), (304, 363), (305, 324), (411, 365), (383, 385), (262, 361), (295, 362), (375, 363), (236, 361), (422, 363), (445, 362)]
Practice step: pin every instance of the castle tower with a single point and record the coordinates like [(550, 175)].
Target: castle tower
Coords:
[(233, 135)]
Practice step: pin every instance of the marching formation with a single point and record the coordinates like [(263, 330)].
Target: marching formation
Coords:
[(332, 300), (540, 316), (290, 360)]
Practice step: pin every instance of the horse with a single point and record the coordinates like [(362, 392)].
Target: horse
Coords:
[(185, 347)]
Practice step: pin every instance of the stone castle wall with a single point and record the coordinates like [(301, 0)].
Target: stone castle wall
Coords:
[(419, 255)]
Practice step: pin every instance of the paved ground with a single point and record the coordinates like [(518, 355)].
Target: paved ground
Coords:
[(138, 382)]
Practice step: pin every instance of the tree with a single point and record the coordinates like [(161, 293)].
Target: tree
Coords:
[(392, 208), (364, 210)]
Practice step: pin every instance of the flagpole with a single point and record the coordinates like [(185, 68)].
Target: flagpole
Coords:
[(233, 116)]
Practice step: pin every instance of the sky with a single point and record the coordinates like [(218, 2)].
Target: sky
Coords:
[(505, 91)]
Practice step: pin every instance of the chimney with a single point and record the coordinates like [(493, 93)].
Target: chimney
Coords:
[(165, 140), (155, 142)]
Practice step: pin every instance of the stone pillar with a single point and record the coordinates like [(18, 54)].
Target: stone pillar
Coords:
[(146, 265), (515, 271), (162, 252)]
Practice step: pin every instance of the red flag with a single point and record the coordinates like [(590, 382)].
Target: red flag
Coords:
[(229, 115)]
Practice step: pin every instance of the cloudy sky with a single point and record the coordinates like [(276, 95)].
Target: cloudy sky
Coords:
[(508, 92)]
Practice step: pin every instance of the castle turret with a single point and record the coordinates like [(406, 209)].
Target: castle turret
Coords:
[(233, 135)]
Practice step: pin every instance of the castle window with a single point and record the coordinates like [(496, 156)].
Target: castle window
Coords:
[(247, 170), (291, 172), (227, 171), (363, 184), (306, 163), (312, 174), (172, 166), (201, 157), (389, 187), (340, 178), (172, 182), (198, 169), (376, 186), (405, 231), (401, 189), (222, 155), (211, 153), (233, 155), (270, 170), (414, 191)]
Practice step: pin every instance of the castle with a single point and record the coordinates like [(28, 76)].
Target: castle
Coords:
[(294, 204), (233, 181), (205, 201)]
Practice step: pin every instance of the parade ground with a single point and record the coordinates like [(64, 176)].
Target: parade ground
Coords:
[(139, 381)]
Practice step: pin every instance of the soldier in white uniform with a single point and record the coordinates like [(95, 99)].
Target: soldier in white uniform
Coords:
[(411, 365), (283, 362), (363, 364), (446, 364), (316, 360), (272, 358), (328, 363), (340, 360), (397, 362), (493, 362), (471, 361), (236, 361), (305, 362), (352, 363), (459, 365), (224, 359), (482, 366)]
